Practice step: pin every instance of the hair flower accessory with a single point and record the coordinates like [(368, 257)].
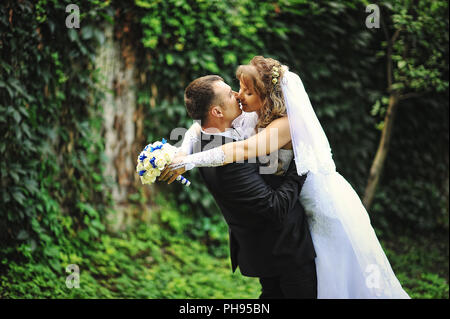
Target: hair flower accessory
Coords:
[(275, 75)]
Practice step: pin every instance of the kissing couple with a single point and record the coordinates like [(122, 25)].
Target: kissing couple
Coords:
[(300, 227)]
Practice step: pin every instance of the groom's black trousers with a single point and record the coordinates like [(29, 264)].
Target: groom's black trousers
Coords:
[(300, 284)]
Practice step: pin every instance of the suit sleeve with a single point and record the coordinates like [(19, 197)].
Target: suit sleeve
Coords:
[(243, 187)]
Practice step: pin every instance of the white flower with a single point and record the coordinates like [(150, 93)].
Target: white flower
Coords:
[(156, 153), (152, 172), (167, 157), (147, 164), (147, 179), (160, 162), (139, 167)]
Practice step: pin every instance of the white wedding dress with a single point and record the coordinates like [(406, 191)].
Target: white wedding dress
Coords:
[(350, 262)]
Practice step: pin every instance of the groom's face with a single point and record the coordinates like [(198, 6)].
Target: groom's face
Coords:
[(228, 101)]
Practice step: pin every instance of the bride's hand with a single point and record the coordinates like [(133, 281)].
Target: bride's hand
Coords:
[(171, 174)]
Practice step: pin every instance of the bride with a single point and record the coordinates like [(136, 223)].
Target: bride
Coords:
[(350, 261)]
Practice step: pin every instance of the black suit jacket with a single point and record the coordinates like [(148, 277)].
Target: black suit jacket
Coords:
[(268, 231)]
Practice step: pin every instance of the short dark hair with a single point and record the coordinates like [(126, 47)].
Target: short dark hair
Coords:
[(199, 95)]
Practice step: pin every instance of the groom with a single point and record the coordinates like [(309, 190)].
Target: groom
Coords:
[(268, 231)]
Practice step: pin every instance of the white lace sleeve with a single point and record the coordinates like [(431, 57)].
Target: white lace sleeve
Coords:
[(210, 158), (191, 136)]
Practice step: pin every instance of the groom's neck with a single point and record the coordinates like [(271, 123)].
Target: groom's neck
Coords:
[(216, 127)]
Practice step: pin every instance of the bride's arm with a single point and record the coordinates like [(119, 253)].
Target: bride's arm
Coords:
[(190, 137), (272, 138)]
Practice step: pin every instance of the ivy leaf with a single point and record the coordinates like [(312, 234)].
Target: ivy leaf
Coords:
[(401, 64), (73, 35), (99, 36), (23, 235), (19, 197), (16, 116), (87, 32), (169, 59)]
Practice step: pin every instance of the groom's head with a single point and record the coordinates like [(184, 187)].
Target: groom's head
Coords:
[(212, 101)]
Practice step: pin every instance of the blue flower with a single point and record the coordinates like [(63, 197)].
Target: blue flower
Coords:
[(155, 148), (142, 172), (142, 157), (152, 161)]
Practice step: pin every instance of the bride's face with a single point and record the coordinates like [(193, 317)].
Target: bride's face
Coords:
[(251, 101)]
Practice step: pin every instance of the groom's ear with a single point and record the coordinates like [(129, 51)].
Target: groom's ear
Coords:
[(216, 111)]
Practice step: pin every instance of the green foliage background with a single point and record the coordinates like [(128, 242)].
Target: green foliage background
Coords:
[(55, 198)]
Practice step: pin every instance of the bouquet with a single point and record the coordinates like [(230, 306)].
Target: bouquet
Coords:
[(152, 160)]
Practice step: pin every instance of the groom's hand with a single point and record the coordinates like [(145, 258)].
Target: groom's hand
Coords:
[(172, 174)]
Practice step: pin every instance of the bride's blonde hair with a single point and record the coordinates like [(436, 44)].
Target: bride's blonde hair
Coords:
[(258, 76)]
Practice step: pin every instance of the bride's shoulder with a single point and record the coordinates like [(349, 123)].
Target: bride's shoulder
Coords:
[(280, 122)]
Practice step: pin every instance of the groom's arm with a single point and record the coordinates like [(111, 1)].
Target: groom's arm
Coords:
[(243, 187)]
